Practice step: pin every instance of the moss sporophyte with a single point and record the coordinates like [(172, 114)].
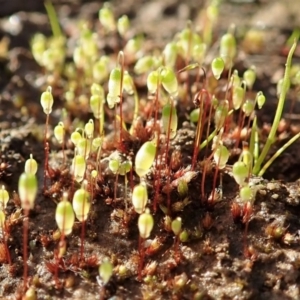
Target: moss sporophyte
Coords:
[(161, 127)]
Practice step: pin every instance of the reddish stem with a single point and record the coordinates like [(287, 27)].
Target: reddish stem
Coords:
[(25, 250), (142, 256)]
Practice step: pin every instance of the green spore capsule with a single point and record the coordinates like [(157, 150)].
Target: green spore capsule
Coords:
[(123, 25), (89, 129), (144, 64), (75, 137), (83, 147), (260, 99), (81, 204), (64, 216), (47, 101), (246, 194), (125, 167), (228, 48), (169, 118), (28, 187), (170, 54), (169, 81), (139, 197), (217, 67), (2, 219), (176, 226), (145, 158), (145, 224), (105, 271), (221, 156), (114, 84), (153, 81), (4, 197), (249, 76), (31, 165), (238, 97), (100, 69), (128, 84), (248, 107), (240, 172), (59, 132), (106, 17), (78, 167)]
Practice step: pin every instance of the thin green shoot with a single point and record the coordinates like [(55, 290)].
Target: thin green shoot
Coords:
[(277, 153), (285, 87), (55, 27)]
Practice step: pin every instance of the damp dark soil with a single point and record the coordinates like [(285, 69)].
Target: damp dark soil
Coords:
[(219, 261)]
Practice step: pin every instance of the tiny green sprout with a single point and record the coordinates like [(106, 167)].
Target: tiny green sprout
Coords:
[(28, 187), (249, 76), (169, 81), (145, 224), (240, 172), (170, 54), (64, 215), (248, 107), (105, 271), (144, 64), (106, 17), (221, 156), (228, 48), (4, 197), (221, 113), (260, 99), (176, 226), (114, 84), (145, 158), (139, 197), (217, 67), (238, 95), (59, 132), (123, 25), (78, 167), (153, 81), (182, 187), (31, 165), (128, 83), (81, 204), (246, 194), (47, 100), (170, 119), (75, 137), (89, 129)]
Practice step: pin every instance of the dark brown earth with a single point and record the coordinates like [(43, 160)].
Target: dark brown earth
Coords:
[(218, 261)]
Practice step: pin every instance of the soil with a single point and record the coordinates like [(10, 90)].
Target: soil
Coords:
[(219, 261)]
